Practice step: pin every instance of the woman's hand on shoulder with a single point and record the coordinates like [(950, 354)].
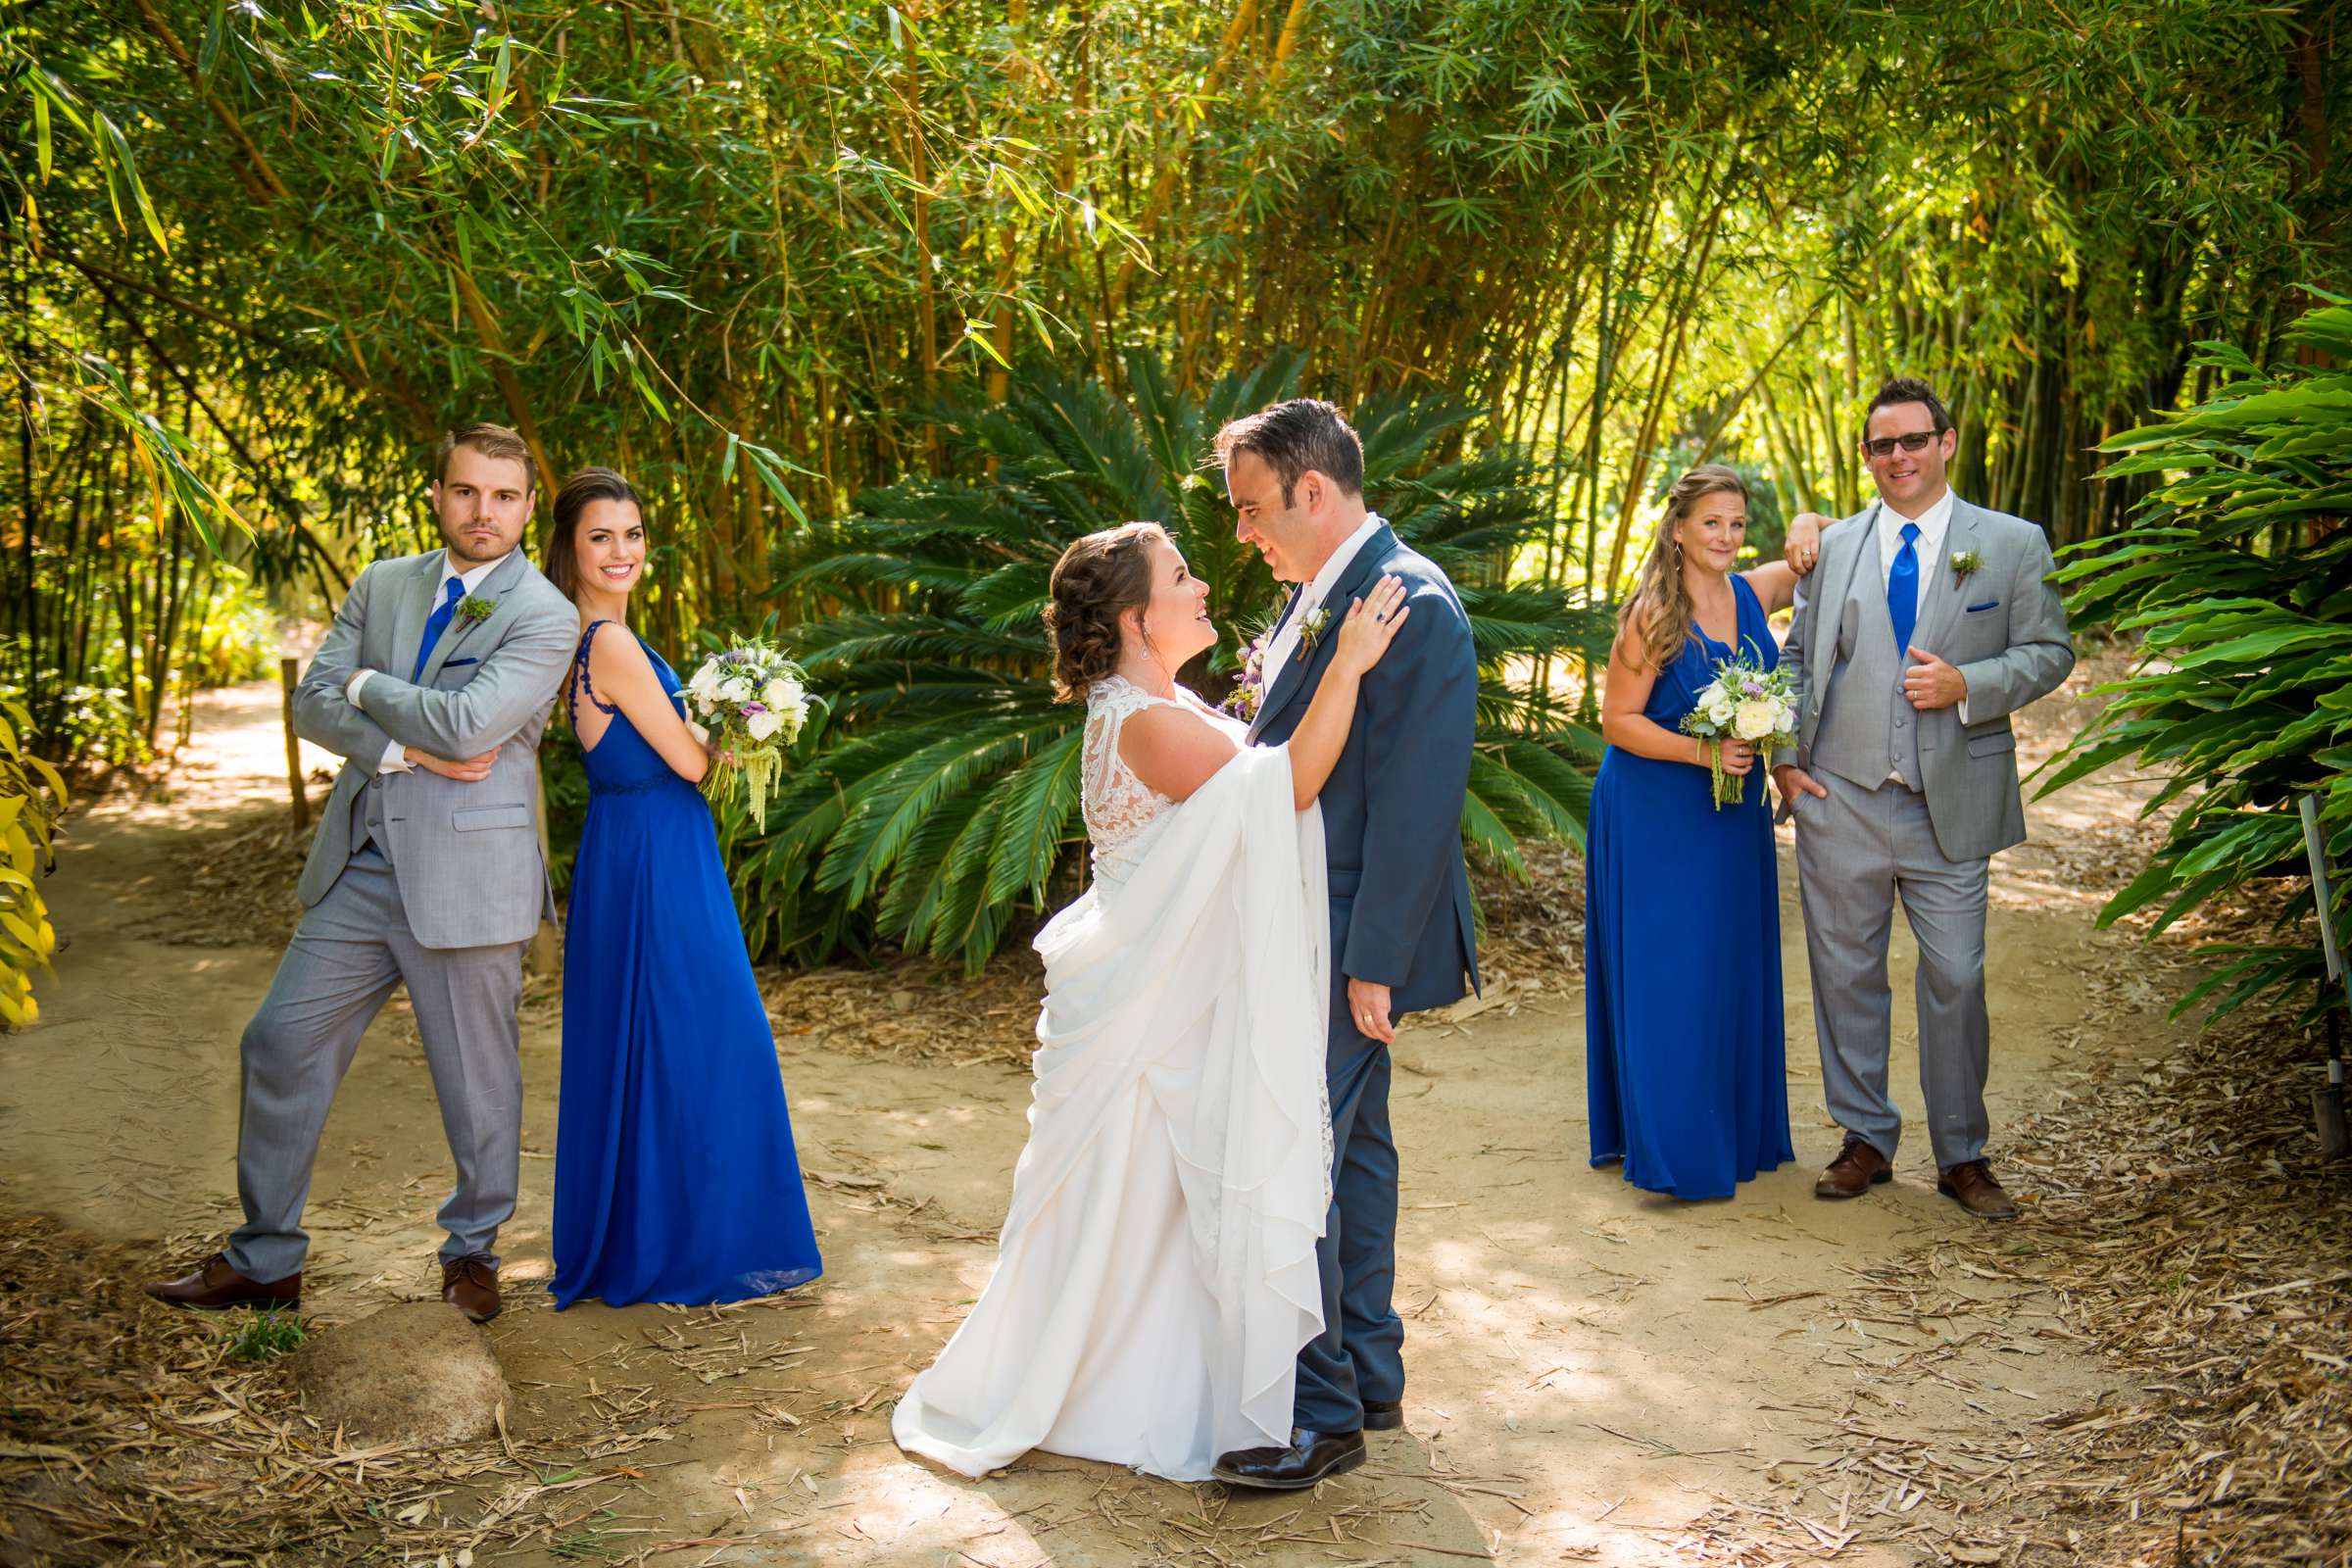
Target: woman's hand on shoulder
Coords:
[(1173, 750), (1802, 548), (1370, 625)]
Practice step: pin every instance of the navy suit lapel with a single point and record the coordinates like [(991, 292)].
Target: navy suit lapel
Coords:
[(1354, 584)]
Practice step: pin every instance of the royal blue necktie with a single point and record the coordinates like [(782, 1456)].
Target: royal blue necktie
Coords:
[(1902, 591), (438, 622)]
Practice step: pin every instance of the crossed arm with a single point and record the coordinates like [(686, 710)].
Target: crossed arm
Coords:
[(515, 683), (323, 716), (515, 680)]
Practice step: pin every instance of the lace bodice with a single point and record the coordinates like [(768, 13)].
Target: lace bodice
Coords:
[(1121, 809)]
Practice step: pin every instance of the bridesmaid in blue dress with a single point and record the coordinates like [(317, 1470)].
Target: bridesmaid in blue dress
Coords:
[(1683, 1048), (675, 1176)]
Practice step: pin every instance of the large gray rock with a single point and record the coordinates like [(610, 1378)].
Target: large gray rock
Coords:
[(417, 1374)]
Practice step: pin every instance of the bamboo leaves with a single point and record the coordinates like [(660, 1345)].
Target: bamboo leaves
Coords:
[(32, 800), (2239, 580), (948, 798)]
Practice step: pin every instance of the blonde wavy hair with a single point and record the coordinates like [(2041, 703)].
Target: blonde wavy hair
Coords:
[(1657, 617)]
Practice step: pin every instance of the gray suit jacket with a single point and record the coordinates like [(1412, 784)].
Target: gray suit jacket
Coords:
[(466, 856), (2003, 626)]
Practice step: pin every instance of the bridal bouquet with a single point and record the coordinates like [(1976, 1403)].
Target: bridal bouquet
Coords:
[(754, 702), (1744, 702)]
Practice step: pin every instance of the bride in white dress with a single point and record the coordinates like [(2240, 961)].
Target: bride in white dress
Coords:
[(1156, 1276)]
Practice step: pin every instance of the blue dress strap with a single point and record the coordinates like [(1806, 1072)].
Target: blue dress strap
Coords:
[(579, 677), (1750, 623)]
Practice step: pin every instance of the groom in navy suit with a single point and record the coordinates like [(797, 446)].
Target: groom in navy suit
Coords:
[(1401, 931)]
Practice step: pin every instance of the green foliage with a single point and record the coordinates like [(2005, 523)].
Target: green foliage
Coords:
[(2237, 574), (32, 799), (947, 798), (265, 1336)]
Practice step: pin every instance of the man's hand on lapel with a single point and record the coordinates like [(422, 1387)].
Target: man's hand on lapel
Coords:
[(1931, 683)]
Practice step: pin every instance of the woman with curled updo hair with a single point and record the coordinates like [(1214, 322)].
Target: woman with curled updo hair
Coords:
[(1180, 1080), (1095, 580)]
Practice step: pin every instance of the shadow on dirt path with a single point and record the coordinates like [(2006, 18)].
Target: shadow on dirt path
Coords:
[(1599, 1375)]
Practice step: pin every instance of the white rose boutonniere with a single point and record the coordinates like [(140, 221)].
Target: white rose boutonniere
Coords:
[(1965, 563), (1311, 627)]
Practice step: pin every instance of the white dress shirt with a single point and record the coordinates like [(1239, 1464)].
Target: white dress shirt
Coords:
[(1934, 524), (396, 759), (1286, 641)]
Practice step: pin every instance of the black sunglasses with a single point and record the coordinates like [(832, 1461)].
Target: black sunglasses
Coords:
[(1884, 446)]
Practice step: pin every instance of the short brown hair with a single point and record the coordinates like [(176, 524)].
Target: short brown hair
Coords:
[(1906, 389), (562, 548), (1294, 437), (1097, 578), (491, 441)]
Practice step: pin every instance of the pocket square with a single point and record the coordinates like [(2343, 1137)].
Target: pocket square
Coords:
[(455, 663), (1990, 604)]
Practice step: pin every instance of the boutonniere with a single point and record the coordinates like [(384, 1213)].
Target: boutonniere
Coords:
[(1311, 627), (473, 612), (1963, 564)]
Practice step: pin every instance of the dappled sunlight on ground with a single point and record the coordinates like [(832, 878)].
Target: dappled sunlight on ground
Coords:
[(1596, 1374)]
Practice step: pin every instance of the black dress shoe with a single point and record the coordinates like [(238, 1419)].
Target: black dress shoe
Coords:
[(1313, 1456), (1384, 1415)]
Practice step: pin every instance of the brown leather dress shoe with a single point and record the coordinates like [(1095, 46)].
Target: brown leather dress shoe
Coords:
[(1857, 1167), (1973, 1187), (470, 1285), (215, 1284)]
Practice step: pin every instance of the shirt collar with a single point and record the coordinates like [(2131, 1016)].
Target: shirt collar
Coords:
[(1932, 522), (472, 576), (1340, 557)]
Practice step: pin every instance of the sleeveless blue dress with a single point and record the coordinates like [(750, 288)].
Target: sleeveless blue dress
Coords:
[(675, 1175), (1684, 1074)]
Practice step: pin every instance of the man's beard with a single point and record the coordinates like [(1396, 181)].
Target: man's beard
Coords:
[(464, 548)]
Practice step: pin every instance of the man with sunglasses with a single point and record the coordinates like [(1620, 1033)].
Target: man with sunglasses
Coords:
[(1929, 623)]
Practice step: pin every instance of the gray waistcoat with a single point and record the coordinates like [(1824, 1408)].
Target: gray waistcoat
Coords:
[(1868, 728)]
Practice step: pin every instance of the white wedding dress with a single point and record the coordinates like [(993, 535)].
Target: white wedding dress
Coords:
[(1156, 1276)]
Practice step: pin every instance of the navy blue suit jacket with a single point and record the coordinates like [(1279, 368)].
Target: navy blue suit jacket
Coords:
[(1393, 807)]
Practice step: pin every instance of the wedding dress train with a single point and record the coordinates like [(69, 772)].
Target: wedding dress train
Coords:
[(1157, 1272)]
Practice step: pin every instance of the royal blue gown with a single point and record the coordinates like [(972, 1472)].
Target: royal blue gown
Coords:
[(675, 1176), (1683, 1042)]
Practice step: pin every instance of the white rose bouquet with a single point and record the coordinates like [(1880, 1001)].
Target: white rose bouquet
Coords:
[(754, 703), (1744, 702)]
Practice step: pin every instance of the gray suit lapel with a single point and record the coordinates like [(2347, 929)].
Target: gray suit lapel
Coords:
[(1945, 588), (415, 607), (1821, 655), (494, 588)]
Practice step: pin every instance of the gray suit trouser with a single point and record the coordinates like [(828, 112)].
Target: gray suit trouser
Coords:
[(352, 948), (1856, 851)]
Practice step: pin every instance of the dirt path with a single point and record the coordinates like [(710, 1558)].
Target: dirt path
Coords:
[(1599, 1375)]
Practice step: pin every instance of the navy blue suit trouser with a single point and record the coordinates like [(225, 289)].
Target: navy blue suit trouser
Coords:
[(1360, 1353)]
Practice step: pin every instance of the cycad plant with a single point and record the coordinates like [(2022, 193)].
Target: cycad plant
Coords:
[(2237, 574), (945, 795)]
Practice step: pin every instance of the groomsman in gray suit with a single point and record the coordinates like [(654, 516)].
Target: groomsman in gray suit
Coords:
[(433, 683), (1927, 623)]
